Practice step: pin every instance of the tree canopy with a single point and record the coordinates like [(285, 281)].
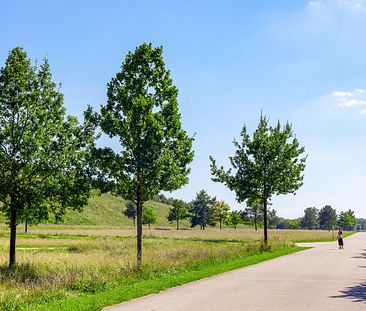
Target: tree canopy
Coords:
[(43, 151), (267, 164), (178, 211), (327, 218), (142, 113), (202, 208)]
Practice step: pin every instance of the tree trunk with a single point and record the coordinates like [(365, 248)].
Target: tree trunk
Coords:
[(265, 221), (13, 233), (177, 224), (255, 224), (139, 224), (26, 226), (220, 224)]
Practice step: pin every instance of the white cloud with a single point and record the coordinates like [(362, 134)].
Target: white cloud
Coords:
[(350, 99), (342, 94), (351, 102)]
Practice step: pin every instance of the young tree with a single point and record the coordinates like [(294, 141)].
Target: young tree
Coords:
[(347, 220), (233, 219), (202, 210), (327, 218), (220, 211), (273, 219), (266, 165), (130, 211), (178, 211), (310, 219), (149, 217), (253, 213), (142, 113), (43, 152)]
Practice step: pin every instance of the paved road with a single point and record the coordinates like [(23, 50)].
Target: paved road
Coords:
[(322, 278)]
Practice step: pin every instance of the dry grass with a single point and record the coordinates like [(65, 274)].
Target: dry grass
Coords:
[(60, 258), (246, 234)]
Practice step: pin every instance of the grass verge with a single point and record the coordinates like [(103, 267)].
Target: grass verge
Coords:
[(333, 239), (147, 282)]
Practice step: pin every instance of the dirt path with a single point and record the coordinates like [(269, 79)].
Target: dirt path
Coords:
[(321, 278)]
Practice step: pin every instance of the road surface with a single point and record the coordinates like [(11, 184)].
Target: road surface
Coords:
[(321, 278)]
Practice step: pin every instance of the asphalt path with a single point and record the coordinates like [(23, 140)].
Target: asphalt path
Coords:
[(321, 278)]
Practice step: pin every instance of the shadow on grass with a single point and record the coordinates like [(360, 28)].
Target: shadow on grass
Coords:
[(355, 293), (20, 273)]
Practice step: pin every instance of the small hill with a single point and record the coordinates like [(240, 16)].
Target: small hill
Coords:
[(107, 209)]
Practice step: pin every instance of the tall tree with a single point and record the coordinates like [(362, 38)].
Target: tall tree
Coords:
[(220, 211), (142, 113), (149, 217), (347, 220), (130, 211), (43, 152), (267, 164), (202, 210), (178, 211), (310, 219), (327, 218)]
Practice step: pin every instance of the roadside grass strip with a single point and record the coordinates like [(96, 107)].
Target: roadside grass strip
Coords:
[(142, 283)]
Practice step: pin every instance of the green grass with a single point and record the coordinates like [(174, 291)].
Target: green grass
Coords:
[(322, 239), (145, 283)]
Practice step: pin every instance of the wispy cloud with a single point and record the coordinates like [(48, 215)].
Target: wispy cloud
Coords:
[(349, 99)]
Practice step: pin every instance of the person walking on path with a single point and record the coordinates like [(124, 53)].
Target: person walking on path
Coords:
[(340, 239)]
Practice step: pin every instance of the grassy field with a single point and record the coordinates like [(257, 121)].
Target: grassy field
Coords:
[(89, 261), (75, 263)]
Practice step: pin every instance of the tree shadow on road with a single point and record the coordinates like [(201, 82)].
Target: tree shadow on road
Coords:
[(356, 293), (360, 256)]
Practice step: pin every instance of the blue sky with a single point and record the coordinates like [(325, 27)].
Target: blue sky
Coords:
[(297, 61)]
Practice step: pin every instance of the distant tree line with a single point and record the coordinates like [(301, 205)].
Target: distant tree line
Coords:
[(205, 210), (325, 219)]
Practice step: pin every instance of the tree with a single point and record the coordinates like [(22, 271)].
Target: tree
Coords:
[(149, 217), (202, 210), (220, 211), (347, 220), (253, 213), (178, 211), (233, 219), (327, 218), (130, 211), (310, 219), (266, 165), (142, 113), (43, 152), (273, 219), (293, 224)]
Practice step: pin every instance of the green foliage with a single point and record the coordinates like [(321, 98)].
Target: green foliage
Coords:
[(178, 211), (310, 219), (202, 208), (346, 220), (273, 219), (142, 113), (43, 152), (220, 211), (327, 218), (267, 164), (233, 219), (130, 211), (253, 214), (149, 217)]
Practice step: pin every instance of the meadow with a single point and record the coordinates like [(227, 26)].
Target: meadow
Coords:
[(61, 263)]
